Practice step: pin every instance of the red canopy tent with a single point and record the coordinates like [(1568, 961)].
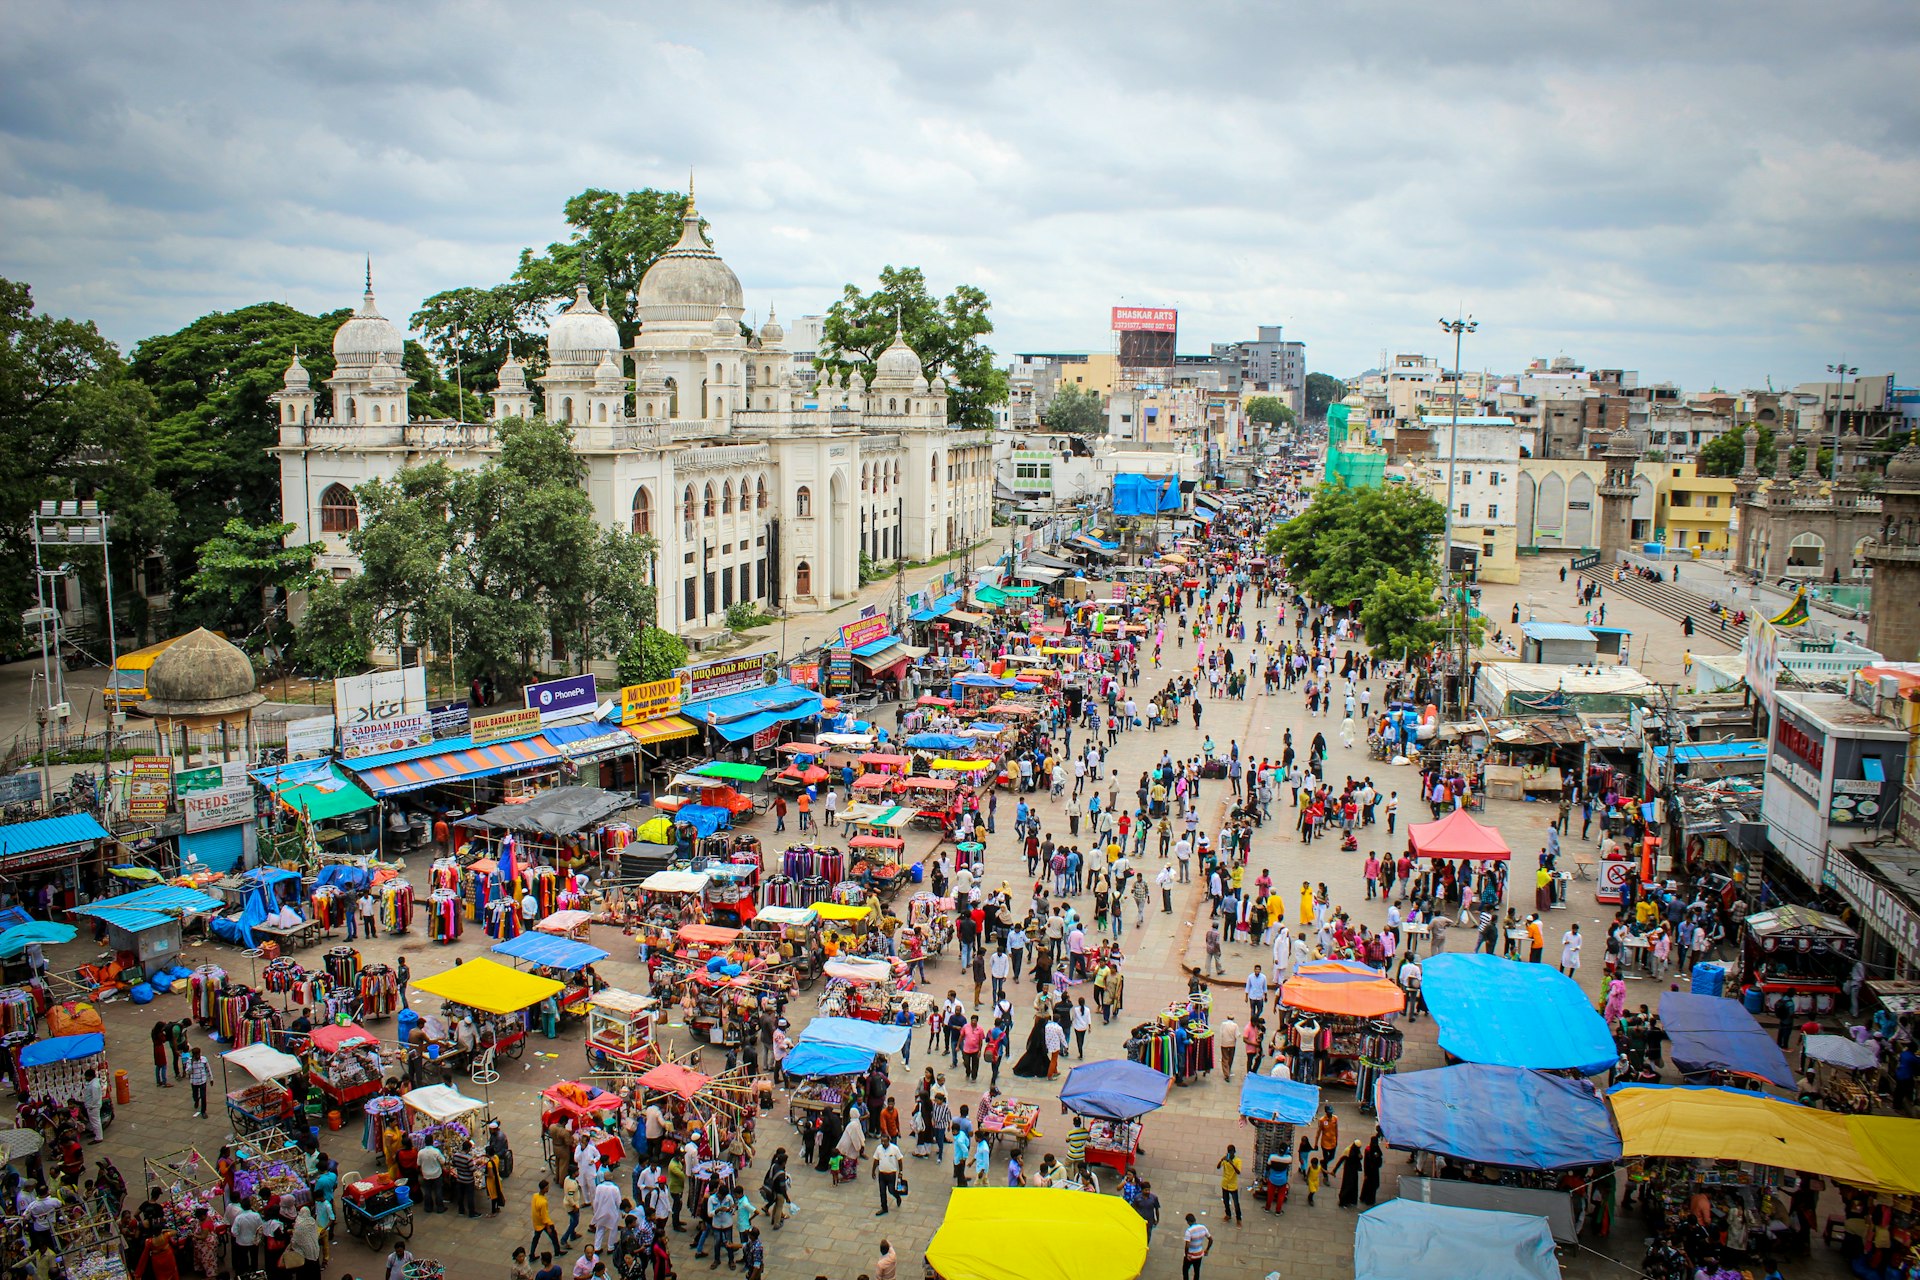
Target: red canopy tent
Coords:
[(1457, 836)]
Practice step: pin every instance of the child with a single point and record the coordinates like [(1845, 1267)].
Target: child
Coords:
[(1313, 1179)]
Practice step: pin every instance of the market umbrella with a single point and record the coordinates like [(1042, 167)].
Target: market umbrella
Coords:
[(1115, 1089), (1037, 1233), (1839, 1051), (21, 936), (16, 1144)]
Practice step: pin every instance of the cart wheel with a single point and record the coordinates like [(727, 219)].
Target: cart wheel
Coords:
[(403, 1224), (517, 1048)]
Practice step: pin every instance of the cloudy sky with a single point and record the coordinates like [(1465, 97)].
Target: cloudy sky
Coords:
[(1715, 193)]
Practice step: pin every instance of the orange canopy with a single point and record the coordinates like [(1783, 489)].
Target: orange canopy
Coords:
[(671, 1077), (1457, 836), (717, 935), (876, 842), (882, 759), (1342, 987)]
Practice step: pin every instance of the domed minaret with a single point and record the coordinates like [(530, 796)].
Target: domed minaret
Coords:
[(513, 398), (295, 396), (367, 349), (1893, 628)]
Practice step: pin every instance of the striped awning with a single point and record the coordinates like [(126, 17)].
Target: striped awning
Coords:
[(665, 729), (454, 766)]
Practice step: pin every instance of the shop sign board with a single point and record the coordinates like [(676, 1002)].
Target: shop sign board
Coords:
[(396, 733), (20, 788), (723, 676), (450, 719), (149, 786), (310, 737), (804, 674), (649, 701), (864, 631), (503, 724), (558, 699), (224, 806), (380, 695)]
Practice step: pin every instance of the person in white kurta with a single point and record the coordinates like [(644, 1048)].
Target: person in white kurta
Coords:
[(1570, 951), (606, 1216)]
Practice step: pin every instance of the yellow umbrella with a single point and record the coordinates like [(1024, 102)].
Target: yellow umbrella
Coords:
[(1037, 1233)]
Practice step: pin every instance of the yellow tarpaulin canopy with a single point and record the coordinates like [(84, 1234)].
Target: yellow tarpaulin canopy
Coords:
[(655, 831), (1063, 650), (832, 911), (1705, 1123), (491, 988), (1037, 1233), (968, 766)]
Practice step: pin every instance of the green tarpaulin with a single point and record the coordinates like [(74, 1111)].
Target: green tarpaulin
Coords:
[(326, 798), (732, 772)]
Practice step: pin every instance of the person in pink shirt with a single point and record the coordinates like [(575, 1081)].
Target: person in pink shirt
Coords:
[(973, 1037)]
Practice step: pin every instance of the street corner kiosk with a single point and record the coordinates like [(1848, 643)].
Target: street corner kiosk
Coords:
[(496, 997)]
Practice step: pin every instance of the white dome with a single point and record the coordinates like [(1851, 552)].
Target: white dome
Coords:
[(582, 333), (771, 334), (513, 374), (368, 335), (297, 374), (898, 365), (689, 282), (607, 373)]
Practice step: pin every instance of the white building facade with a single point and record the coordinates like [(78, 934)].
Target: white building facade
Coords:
[(760, 484)]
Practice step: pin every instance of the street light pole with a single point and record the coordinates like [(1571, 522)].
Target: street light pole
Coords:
[(1459, 327), (1845, 371)]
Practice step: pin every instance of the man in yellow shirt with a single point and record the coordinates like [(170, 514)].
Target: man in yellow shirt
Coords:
[(1229, 1167), (543, 1222)]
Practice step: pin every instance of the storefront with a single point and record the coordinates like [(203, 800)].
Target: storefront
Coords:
[(49, 853)]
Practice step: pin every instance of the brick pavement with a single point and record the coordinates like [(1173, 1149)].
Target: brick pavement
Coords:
[(835, 1233)]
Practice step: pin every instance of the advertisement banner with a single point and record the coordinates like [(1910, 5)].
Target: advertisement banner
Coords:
[(207, 778), (723, 676), (380, 695), (649, 701), (503, 724), (222, 807), (449, 719), (1145, 320), (149, 785), (394, 734), (766, 737), (864, 631), (20, 788), (1799, 753), (840, 671), (557, 699), (805, 674), (310, 737)]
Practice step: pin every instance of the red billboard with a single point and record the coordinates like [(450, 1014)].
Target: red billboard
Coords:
[(1145, 319)]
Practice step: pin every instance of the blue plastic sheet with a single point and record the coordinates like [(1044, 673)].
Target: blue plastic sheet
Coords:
[(938, 742), (874, 1037), (1714, 1034), (1498, 1115), (705, 819), (62, 1049), (818, 1059), (1404, 1238), (551, 950), (1287, 1101), (344, 877), (1135, 495), (1115, 1089), (1510, 1014)]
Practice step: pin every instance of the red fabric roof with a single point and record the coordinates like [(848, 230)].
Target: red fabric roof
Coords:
[(671, 1077), (1457, 836)]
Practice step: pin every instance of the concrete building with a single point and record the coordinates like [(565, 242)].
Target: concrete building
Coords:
[(1805, 527), (1692, 510), (1486, 480), (1267, 364), (760, 483)]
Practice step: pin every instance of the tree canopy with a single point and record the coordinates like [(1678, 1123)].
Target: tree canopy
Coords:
[(74, 423), (1269, 409), (1347, 539), (1322, 390), (944, 332), (1074, 409), (507, 563), (247, 571), (1724, 455), (615, 239)]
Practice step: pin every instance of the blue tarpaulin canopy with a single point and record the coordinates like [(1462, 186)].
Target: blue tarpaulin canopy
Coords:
[(1287, 1101), (1495, 1011), (741, 715), (62, 1049), (1710, 1033), (342, 876), (938, 609), (551, 950), (1145, 495), (21, 936), (1403, 1238), (981, 680), (705, 819), (810, 1058), (1115, 1089), (937, 742), (1498, 1115), (874, 1037), (49, 833)]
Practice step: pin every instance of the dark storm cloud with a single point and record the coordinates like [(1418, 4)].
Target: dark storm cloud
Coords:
[(1708, 192)]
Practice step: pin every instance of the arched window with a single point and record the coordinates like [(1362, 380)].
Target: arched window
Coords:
[(766, 373), (686, 511), (719, 372), (376, 413), (760, 493), (603, 413), (726, 497), (339, 513), (708, 505), (866, 477), (566, 409), (803, 501), (766, 402), (673, 398), (642, 510), (896, 472), (933, 468), (803, 577)]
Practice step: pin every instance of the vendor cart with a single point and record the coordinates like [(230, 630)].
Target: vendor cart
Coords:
[(344, 1063), (1840, 1074), (566, 924), (496, 998), (1114, 1096), (620, 1031), (441, 1114), (376, 1211), (1010, 1118), (266, 1104), (795, 935), (562, 959)]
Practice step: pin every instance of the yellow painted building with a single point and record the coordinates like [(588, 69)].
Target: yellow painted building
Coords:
[(1692, 510)]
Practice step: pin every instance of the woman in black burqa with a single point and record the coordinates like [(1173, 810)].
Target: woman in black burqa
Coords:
[(1370, 1171), (1348, 1167), (1033, 1063)]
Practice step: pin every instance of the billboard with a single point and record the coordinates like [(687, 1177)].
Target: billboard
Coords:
[(649, 701), (723, 676), (864, 631), (1145, 320), (310, 737), (395, 733), (149, 787), (449, 719), (380, 695), (557, 699)]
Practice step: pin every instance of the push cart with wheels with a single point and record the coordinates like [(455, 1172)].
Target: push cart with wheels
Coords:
[(375, 1226)]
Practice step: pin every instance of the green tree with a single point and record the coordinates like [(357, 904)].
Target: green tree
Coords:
[(1347, 539), (1402, 614), (1075, 409), (470, 331), (945, 333), (247, 572), (1269, 409), (333, 638), (1725, 455), (615, 239), (1322, 390), (652, 654), (215, 426), (74, 423)]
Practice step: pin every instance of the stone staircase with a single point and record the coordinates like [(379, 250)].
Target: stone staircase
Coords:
[(1674, 602)]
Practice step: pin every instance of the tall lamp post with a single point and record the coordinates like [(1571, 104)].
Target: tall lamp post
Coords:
[(1459, 327), (1845, 371)]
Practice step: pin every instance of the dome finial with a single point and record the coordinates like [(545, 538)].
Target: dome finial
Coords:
[(369, 273)]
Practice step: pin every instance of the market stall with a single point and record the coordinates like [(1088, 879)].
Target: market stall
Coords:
[(495, 997), (344, 1063), (1276, 1109), (794, 935), (442, 1115), (265, 1104), (1716, 1041), (1514, 1015), (1003, 1116), (1177, 1042), (620, 1031), (561, 958), (1840, 1074), (57, 1068), (865, 987), (1114, 1096), (1036, 1233), (1403, 1238), (1798, 953), (1333, 1016)]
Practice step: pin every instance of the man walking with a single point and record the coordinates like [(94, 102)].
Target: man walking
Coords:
[(1256, 994), (198, 1074), (886, 1173), (1197, 1243)]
